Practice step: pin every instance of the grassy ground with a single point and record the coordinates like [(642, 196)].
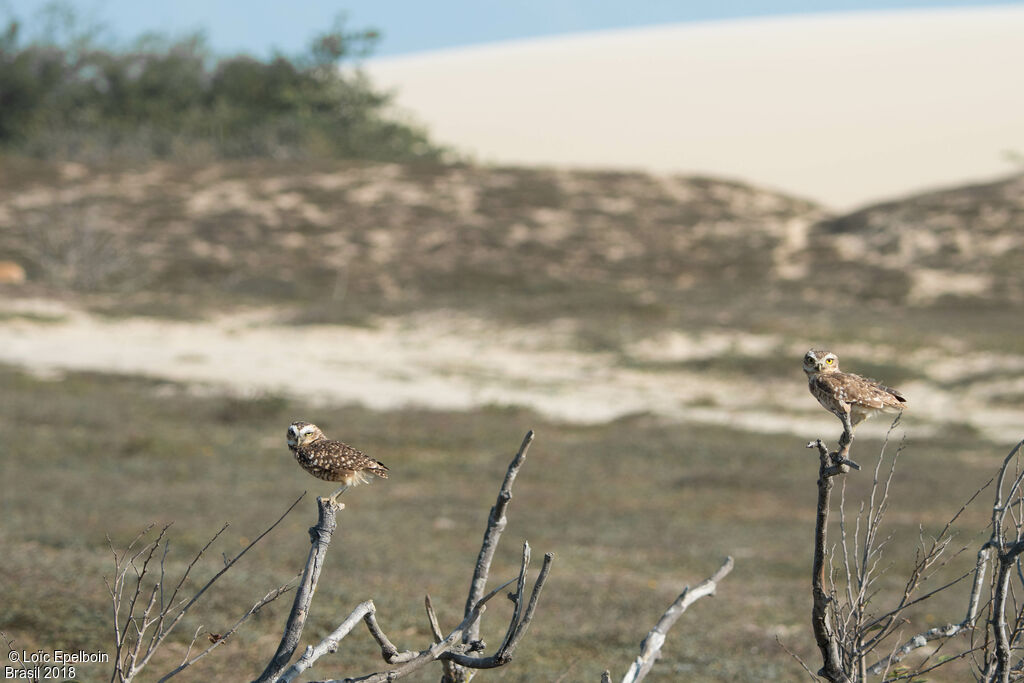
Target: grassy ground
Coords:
[(633, 510)]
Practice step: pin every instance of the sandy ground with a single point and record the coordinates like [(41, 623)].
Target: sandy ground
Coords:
[(459, 363), (842, 108)]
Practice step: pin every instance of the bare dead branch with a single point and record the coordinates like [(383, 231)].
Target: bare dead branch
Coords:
[(916, 642), (257, 606), (124, 647), (442, 649), (796, 657), (435, 626), (998, 662), (19, 664), (143, 616), (320, 538), (650, 648), (328, 644), (452, 650), (162, 631), (388, 652), (518, 625), (844, 631), (824, 635), (447, 667), (517, 599), (433, 653), (496, 523)]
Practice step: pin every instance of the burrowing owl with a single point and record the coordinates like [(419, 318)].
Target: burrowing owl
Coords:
[(331, 460), (850, 397)]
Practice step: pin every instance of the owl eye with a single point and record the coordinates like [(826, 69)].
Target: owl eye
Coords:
[(829, 361)]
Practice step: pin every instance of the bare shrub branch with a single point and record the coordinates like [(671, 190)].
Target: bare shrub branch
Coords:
[(454, 651), (821, 618), (141, 627), (496, 523), (320, 538), (650, 648), (848, 627), (222, 638)]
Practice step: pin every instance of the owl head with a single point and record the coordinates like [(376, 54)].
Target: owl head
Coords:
[(302, 433), (820, 360)]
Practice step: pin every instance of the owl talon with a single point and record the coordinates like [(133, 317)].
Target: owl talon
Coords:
[(848, 464), (332, 501)]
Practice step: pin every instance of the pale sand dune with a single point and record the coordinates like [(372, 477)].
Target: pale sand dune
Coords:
[(841, 108)]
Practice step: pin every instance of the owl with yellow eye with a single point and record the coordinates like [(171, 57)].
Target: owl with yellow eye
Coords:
[(849, 397)]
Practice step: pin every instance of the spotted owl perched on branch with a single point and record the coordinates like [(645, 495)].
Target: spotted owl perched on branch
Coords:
[(849, 397), (331, 460)]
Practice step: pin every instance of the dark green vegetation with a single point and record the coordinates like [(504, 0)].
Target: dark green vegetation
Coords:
[(633, 510), (64, 94)]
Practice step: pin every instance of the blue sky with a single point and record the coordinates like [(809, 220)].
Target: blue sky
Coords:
[(261, 26)]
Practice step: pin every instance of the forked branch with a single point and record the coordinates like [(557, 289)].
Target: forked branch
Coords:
[(456, 650), (496, 523), (445, 649)]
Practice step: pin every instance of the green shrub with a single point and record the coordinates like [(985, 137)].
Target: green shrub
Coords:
[(65, 96)]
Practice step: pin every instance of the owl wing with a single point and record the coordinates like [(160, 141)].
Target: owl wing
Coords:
[(336, 460), (868, 393)]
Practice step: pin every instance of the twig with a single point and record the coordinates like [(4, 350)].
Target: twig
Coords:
[(160, 614), (796, 657), (650, 648), (496, 523), (259, 604), (9, 642), (448, 667), (517, 599)]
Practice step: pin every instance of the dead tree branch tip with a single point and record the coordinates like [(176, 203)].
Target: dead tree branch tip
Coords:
[(650, 648)]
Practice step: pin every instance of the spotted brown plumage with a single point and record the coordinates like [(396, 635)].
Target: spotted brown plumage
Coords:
[(331, 460), (849, 397)]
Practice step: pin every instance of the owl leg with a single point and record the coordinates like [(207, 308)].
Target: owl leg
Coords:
[(334, 496), (847, 438)]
